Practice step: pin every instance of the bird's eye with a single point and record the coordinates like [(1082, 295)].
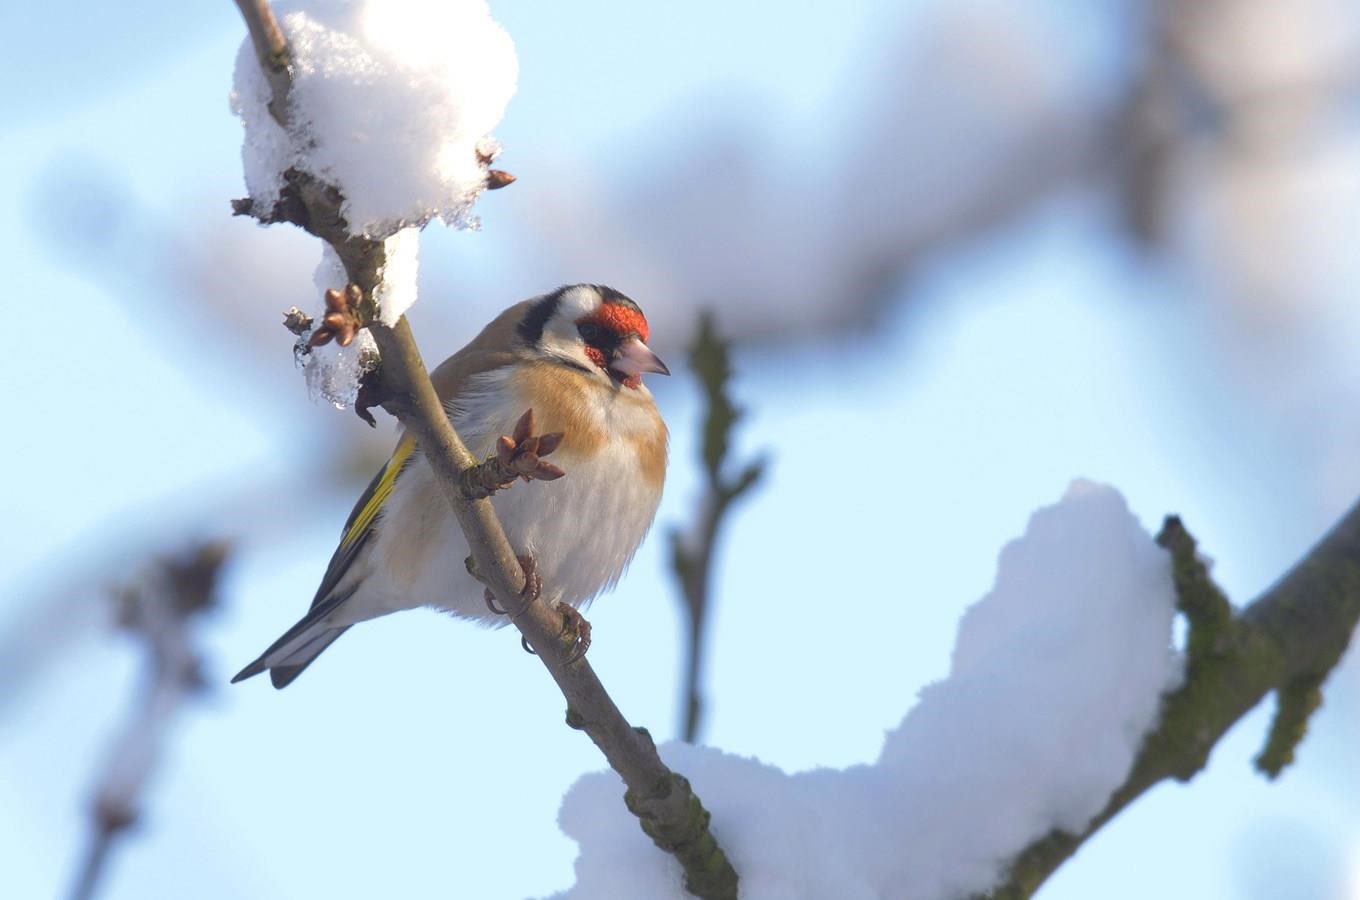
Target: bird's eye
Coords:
[(590, 332)]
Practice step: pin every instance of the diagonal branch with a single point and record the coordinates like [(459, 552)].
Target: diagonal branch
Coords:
[(1287, 641), (669, 811)]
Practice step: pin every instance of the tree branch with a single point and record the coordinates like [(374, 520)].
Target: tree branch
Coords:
[(271, 49), (692, 553), (158, 610), (669, 811), (1287, 641)]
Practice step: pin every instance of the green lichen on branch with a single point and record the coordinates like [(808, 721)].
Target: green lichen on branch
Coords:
[(1287, 641), (692, 552), (1222, 653), (1205, 606), (1297, 700), (686, 837)]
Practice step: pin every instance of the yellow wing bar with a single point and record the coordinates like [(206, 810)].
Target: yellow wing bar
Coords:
[(364, 516)]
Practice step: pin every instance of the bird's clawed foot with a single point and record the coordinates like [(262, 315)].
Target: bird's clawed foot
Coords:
[(520, 454), (574, 625), (533, 585)]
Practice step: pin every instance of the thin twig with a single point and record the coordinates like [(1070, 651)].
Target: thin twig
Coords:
[(692, 552), (669, 811), (159, 610), (92, 868), (1287, 641)]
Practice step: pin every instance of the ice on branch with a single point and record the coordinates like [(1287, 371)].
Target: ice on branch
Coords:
[(1057, 675), (333, 371), (392, 102)]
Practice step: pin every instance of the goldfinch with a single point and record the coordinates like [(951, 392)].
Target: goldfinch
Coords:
[(576, 358)]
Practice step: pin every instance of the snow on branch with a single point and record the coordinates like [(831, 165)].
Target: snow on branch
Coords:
[(1056, 675), (391, 103), (1065, 701), (669, 811), (1285, 642)]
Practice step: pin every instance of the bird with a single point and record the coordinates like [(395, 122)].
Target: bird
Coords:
[(572, 361)]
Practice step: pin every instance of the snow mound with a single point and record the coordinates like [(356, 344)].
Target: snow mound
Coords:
[(393, 102), (1057, 675)]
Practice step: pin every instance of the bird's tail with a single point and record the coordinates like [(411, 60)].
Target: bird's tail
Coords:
[(294, 651)]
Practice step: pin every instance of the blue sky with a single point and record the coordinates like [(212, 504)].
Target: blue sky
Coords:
[(424, 757)]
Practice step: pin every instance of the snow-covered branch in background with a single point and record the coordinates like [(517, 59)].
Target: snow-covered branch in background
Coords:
[(1065, 701), (817, 230), (1260, 199), (1287, 642), (160, 610), (1220, 135), (663, 802)]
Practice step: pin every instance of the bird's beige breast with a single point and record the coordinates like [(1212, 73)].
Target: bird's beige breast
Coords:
[(591, 416), (650, 451), (560, 402)]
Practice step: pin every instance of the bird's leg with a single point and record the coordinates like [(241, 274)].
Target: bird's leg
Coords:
[(471, 565), (533, 584), (574, 624), (519, 455)]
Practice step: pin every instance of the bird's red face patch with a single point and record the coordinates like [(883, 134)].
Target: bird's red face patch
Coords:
[(605, 329), (621, 320)]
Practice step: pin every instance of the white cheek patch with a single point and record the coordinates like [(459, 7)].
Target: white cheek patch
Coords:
[(560, 337), (574, 350)]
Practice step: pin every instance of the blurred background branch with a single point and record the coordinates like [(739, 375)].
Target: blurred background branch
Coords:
[(693, 549), (160, 611)]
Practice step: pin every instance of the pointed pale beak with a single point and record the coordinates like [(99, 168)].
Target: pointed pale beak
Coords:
[(634, 358)]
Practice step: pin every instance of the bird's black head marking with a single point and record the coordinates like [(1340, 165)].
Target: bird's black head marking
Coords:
[(531, 329)]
